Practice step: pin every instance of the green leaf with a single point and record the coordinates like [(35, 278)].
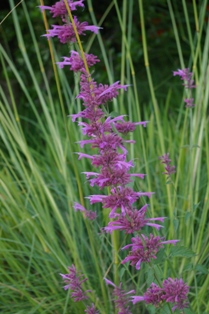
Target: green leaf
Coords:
[(189, 267), (151, 309), (158, 272), (176, 224), (121, 272), (201, 269), (187, 216), (181, 251), (114, 114), (150, 277), (160, 257), (189, 311)]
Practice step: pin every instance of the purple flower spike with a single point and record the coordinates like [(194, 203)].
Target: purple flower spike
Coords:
[(189, 102), (121, 298), (186, 76), (91, 310), (168, 169), (87, 213), (74, 283)]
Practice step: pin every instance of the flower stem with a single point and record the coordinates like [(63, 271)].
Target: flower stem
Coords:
[(78, 38)]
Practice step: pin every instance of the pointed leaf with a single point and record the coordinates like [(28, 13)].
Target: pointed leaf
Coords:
[(181, 251)]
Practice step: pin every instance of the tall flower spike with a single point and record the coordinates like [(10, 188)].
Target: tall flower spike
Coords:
[(103, 133)]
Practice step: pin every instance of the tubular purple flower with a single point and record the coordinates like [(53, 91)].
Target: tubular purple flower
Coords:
[(87, 213), (127, 127), (185, 75), (96, 198), (88, 114), (96, 95), (82, 155), (109, 177)]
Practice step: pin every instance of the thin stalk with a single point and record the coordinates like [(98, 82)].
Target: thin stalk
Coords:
[(78, 39)]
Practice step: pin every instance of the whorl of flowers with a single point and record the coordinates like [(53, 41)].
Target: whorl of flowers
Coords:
[(143, 249), (173, 291)]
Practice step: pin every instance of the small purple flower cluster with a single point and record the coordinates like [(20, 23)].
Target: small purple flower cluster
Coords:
[(186, 76), (74, 282), (103, 134), (121, 297), (168, 168)]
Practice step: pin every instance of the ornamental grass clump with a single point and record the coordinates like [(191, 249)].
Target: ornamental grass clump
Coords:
[(111, 172)]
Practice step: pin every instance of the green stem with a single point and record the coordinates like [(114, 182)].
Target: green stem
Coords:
[(78, 38)]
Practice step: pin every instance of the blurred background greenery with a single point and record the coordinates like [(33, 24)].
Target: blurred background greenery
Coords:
[(40, 174)]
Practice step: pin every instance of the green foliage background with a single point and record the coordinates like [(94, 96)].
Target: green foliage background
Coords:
[(41, 178)]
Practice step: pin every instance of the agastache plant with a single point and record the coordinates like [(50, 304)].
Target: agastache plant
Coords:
[(112, 171), (186, 76)]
